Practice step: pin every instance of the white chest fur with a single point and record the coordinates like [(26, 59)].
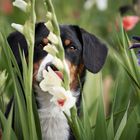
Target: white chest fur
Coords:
[(54, 125)]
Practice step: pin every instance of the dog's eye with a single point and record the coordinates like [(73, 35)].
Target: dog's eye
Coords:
[(72, 48)]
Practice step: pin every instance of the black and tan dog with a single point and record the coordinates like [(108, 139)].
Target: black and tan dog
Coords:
[(82, 51)]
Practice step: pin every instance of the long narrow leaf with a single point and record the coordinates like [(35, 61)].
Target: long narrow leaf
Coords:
[(122, 125), (100, 128)]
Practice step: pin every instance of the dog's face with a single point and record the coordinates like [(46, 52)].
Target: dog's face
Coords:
[(82, 51)]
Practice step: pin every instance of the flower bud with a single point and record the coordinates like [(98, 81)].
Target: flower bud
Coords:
[(58, 63), (18, 27), (50, 48), (22, 5), (53, 38), (49, 25), (49, 16)]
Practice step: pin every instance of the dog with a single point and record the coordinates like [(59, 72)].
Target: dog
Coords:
[(83, 51)]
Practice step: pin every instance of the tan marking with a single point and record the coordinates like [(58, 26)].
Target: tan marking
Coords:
[(67, 42), (35, 70), (45, 41), (75, 72)]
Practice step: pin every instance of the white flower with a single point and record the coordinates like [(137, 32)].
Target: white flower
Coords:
[(50, 48), (58, 63), (49, 25), (50, 80), (18, 27), (88, 4), (101, 4), (21, 5), (49, 16), (53, 38), (62, 98)]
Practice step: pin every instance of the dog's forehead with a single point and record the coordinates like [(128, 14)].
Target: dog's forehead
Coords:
[(67, 32)]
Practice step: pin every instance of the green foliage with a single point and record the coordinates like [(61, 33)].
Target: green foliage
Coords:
[(123, 119)]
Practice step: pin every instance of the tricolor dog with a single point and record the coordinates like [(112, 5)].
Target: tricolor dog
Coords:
[(83, 51)]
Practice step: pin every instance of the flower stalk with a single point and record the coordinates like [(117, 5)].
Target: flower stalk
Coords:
[(22, 5), (28, 30), (56, 40)]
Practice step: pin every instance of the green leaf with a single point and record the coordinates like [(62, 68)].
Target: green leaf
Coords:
[(122, 125), (8, 133), (110, 129), (131, 128), (86, 122), (38, 127), (18, 90), (100, 128)]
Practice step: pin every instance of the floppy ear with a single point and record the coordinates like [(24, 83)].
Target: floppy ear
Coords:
[(17, 40), (94, 51)]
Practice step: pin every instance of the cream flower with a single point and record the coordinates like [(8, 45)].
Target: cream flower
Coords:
[(50, 48), (49, 16), (88, 4), (20, 4), (58, 63), (18, 27), (62, 98), (53, 38), (101, 4), (50, 80), (49, 25)]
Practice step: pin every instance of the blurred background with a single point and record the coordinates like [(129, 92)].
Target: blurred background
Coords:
[(101, 18), (97, 16)]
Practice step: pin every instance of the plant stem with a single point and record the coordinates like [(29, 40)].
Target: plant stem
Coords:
[(29, 35), (60, 54)]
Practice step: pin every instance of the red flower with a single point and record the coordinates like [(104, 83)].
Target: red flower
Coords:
[(129, 22), (6, 6)]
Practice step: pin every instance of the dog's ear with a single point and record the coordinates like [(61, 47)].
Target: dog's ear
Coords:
[(94, 51), (17, 40)]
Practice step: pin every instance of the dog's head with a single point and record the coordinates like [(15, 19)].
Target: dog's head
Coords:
[(82, 51)]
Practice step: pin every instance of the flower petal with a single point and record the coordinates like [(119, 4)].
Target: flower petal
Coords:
[(20, 4), (58, 63), (18, 27), (50, 48), (88, 4), (62, 98), (49, 25), (50, 80), (49, 16), (53, 38), (58, 92), (129, 22), (102, 4), (43, 85), (70, 102)]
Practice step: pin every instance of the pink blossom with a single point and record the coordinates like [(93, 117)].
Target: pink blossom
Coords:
[(129, 22), (6, 6)]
